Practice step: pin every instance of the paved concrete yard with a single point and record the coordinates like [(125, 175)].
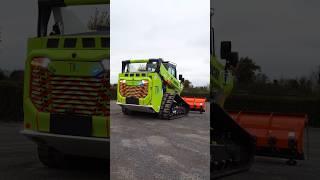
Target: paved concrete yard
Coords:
[(276, 169), (145, 148), (19, 160)]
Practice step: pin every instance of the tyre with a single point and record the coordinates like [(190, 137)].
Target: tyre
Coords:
[(50, 157), (291, 162), (126, 111)]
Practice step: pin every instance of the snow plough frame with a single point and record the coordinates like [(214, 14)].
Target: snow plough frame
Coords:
[(196, 104), (237, 136), (276, 134)]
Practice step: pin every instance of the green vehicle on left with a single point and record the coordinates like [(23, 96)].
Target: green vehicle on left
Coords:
[(66, 86)]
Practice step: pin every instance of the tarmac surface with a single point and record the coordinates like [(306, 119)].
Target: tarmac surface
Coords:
[(144, 147), (276, 169), (19, 160)]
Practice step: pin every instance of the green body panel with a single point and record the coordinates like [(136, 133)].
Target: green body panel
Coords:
[(139, 61), (222, 81), (154, 98), (156, 87), (80, 69), (85, 2), (86, 61), (174, 85), (41, 42)]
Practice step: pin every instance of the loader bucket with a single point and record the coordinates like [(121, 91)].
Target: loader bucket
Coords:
[(277, 135), (196, 104)]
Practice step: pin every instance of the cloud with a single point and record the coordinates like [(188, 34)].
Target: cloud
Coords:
[(281, 36), (18, 23), (173, 30)]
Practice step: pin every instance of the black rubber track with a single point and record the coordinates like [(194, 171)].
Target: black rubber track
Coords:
[(172, 107)]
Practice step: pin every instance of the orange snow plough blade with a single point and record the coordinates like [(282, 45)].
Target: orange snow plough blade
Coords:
[(196, 104), (277, 135)]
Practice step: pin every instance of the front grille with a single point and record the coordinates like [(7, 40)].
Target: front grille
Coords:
[(64, 94), (140, 91)]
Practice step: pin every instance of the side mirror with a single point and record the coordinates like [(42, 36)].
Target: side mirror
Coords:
[(234, 59), (225, 49), (180, 77)]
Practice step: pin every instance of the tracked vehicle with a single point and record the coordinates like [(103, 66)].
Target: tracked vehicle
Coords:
[(66, 100), (232, 147), (151, 86)]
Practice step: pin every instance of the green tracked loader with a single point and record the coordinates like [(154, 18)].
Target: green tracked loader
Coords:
[(151, 86), (66, 86)]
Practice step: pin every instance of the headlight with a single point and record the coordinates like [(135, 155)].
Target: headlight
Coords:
[(144, 82), (40, 61), (105, 64), (123, 81)]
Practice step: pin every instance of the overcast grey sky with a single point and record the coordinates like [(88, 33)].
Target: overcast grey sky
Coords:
[(283, 37), (17, 22), (175, 30)]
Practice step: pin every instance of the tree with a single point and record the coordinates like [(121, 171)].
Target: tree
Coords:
[(261, 78), (187, 84), (293, 83), (246, 71), (17, 75), (2, 75), (314, 77), (99, 21)]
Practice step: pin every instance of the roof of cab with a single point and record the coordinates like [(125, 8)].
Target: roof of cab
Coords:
[(61, 3)]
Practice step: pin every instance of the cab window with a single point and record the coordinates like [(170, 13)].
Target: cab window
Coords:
[(172, 71)]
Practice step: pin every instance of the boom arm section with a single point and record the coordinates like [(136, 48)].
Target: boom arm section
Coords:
[(222, 81), (170, 80)]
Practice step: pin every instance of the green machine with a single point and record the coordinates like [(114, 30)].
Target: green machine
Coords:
[(66, 86), (151, 86), (222, 78)]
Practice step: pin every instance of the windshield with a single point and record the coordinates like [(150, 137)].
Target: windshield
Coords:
[(140, 67), (80, 20)]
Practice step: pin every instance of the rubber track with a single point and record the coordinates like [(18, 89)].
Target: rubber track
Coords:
[(166, 105)]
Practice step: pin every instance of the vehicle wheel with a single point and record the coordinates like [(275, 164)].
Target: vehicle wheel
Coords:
[(50, 157), (291, 162), (126, 111)]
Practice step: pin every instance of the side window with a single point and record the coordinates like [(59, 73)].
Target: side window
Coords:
[(172, 71)]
